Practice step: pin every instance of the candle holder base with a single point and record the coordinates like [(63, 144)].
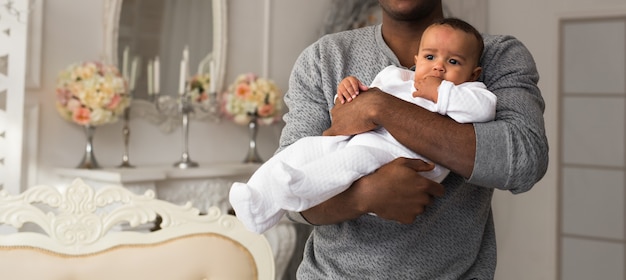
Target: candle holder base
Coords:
[(125, 164), (253, 154), (126, 135), (185, 164)]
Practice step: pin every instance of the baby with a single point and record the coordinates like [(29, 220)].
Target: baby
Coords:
[(316, 168)]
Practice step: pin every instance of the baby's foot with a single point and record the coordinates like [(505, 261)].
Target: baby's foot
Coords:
[(241, 200), (257, 212), (287, 181)]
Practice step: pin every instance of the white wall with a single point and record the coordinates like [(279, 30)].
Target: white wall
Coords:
[(526, 224), (73, 31)]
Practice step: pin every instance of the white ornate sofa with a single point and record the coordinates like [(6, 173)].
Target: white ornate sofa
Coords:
[(84, 233)]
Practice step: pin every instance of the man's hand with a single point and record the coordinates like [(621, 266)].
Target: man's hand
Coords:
[(396, 191), (356, 117), (427, 88)]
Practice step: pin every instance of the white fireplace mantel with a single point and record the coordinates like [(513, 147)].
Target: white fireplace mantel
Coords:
[(161, 172)]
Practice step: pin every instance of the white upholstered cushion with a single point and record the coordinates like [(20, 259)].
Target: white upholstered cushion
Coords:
[(80, 239)]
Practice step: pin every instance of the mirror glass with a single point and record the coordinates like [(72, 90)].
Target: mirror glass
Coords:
[(151, 29)]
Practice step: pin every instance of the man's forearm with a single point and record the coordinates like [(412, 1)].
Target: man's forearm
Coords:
[(436, 137), (429, 134)]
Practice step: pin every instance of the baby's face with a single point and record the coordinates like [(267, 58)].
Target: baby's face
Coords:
[(448, 54)]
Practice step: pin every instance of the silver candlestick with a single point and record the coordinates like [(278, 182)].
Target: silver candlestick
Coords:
[(126, 135), (192, 103), (185, 109)]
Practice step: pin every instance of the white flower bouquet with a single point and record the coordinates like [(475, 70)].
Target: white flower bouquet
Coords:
[(251, 97), (91, 94)]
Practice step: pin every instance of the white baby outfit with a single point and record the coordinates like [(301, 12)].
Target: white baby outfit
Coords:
[(316, 168)]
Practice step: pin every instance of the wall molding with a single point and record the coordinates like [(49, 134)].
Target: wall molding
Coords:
[(13, 44), (33, 57)]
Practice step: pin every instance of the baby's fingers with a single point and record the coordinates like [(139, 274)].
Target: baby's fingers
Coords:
[(343, 93), (362, 87), (355, 85)]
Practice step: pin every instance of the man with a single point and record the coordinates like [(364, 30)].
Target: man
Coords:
[(421, 229)]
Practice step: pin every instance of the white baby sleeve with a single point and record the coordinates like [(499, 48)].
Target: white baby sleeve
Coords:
[(466, 103)]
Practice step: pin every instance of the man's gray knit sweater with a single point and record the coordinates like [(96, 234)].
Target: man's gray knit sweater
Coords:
[(454, 238)]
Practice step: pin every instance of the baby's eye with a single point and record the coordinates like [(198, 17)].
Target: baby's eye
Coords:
[(453, 61), (429, 56)]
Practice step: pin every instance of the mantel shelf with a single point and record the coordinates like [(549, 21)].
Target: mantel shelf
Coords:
[(160, 172)]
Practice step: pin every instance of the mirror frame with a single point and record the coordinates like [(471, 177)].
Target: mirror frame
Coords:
[(111, 17)]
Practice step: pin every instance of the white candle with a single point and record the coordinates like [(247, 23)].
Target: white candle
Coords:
[(201, 66), (125, 63), (212, 75), (183, 75), (186, 54), (133, 73), (184, 68), (157, 76), (150, 78)]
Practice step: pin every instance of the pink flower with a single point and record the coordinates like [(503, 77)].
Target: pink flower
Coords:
[(266, 110), (63, 96), (114, 102), (73, 104), (203, 96), (242, 91), (251, 77), (81, 116)]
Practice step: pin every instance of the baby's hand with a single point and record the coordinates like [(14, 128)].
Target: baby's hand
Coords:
[(348, 89), (427, 88)]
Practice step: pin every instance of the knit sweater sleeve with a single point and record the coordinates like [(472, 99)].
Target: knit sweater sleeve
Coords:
[(316, 74), (308, 107), (512, 151)]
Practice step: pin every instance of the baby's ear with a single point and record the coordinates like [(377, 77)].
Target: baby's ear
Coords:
[(476, 73)]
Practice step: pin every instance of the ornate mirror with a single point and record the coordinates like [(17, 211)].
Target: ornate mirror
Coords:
[(150, 29)]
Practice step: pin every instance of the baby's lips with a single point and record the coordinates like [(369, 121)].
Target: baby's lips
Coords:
[(438, 76)]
